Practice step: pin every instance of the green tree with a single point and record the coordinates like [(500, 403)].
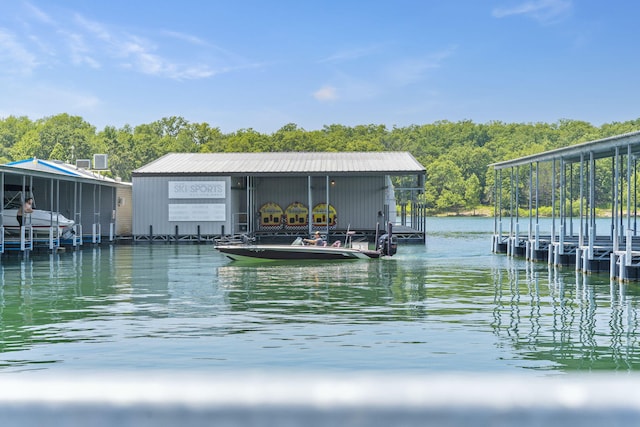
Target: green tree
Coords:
[(472, 192), (12, 130), (72, 132)]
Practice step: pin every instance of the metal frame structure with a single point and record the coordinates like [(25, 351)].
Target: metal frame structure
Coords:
[(618, 250)]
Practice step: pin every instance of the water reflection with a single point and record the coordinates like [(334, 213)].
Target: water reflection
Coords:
[(576, 321), (451, 308), (45, 290), (356, 291)]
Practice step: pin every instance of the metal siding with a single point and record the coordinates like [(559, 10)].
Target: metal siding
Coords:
[(151, 207), (106, 208), (357, 199), (94, 208)]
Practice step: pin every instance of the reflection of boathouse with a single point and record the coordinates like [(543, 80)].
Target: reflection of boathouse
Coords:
[(186, 196), (573, 181)]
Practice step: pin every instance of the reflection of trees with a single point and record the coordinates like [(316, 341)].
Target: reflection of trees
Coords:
[(575, 321), (358, 291)]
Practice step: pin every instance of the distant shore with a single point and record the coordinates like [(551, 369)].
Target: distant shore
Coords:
[(487, 211)]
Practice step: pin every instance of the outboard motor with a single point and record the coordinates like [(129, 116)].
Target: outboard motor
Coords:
[(388, 245)]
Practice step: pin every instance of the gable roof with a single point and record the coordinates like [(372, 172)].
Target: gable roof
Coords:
[(292, 163), (35, 166)]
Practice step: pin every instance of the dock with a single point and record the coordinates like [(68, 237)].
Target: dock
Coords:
[(570, 185)]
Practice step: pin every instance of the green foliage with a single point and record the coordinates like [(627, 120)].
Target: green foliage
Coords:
[(456, 155)]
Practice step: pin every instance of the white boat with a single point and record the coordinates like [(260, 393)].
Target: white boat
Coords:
[(387, 246), (40, 221)]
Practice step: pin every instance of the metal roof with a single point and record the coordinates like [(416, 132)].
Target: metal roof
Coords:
[(293, 163), (600, 148), (48, 168)]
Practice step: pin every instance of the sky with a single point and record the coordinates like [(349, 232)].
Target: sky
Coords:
[(255, 64)]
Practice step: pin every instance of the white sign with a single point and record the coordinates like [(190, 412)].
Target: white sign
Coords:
[(196, 189), (197, 212)]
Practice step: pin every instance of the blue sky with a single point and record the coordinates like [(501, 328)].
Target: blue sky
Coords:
[(263, 64)]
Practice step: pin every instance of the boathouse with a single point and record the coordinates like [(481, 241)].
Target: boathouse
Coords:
[(576, 181), (187, 196), (100, 207)]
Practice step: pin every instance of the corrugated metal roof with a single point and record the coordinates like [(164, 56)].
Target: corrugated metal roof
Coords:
[(600, 148), (56, 167), (43, 166), (283, 163)]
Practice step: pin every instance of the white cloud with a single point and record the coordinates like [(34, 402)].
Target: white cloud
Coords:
[(326, 93), (412, 70), (14, 57), (186, 37), (351, 54), (39, 14), (83, 42), (141, 55), (543, 11), (80, 53)]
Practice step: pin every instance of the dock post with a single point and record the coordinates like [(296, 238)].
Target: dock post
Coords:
[(612, 266), (585, 261), (578, 258), (629, 246)]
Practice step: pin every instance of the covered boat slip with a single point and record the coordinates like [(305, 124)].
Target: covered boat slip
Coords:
[(571, 182), (72, 206), (276, 196)]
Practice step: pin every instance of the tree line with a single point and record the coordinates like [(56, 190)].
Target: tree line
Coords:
[(456, 155)]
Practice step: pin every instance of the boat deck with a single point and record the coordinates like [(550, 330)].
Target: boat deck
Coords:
[(403, 233)]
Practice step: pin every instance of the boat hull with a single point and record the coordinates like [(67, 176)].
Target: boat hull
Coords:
[(40, 221), (300, 253)]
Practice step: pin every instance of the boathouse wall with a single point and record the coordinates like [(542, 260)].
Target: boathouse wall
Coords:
[(194, 204), (357, 200), (124, 211)]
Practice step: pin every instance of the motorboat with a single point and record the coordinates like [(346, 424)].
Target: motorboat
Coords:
[(246, 250), (40, 221)]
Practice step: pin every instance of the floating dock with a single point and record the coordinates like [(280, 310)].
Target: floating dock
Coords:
[(570, 181)]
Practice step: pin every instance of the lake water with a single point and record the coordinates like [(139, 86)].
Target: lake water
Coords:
[(448, 306)]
